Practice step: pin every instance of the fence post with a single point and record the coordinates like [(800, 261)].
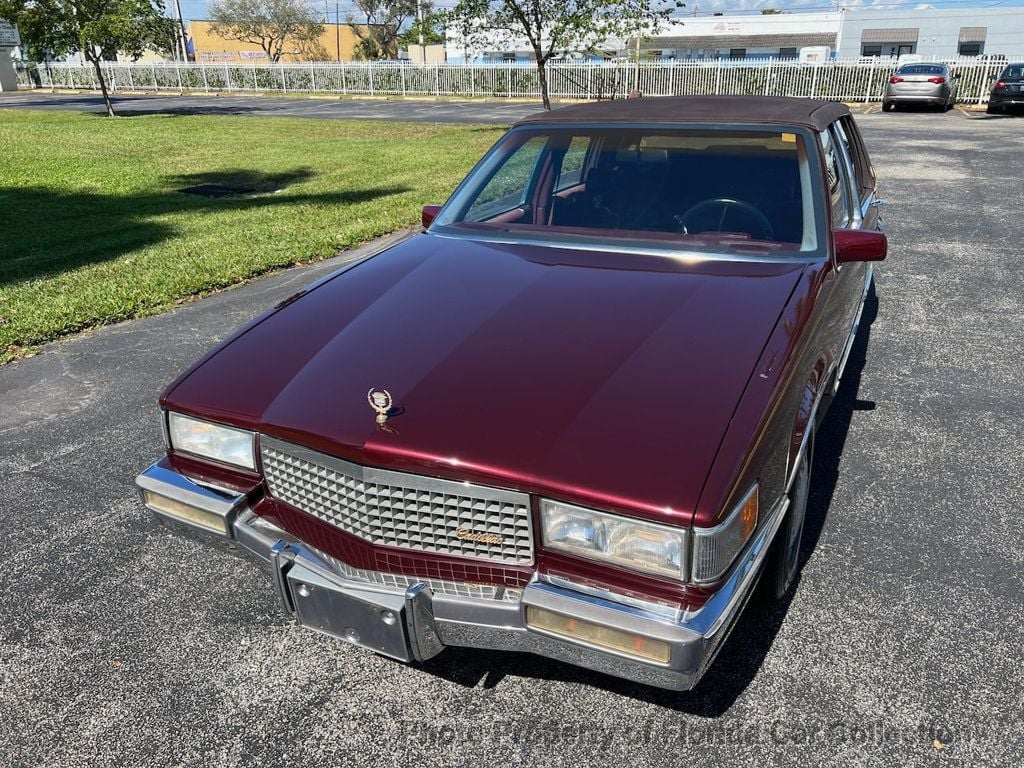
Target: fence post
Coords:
[(983, 85), (227, 77), (206, 83), (284, 80), (871, 81), (718, 79), (768, 78), (344, 84), (369, 72), (402, 68), (312, 78), (255, 83), (177, 69), (131, 80), (156, 87), (814, 78), (508, 81), (472, 81)]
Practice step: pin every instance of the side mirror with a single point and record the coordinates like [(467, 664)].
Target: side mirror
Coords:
[(429, 214), (859, 245)]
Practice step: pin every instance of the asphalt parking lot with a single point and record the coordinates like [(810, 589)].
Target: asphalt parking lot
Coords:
[(121, 644)]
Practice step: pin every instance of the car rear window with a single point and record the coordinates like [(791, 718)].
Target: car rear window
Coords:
[(1012, 72), (921, 69), (659, 187)]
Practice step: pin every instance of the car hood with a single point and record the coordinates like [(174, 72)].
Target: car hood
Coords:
[(606, 379)]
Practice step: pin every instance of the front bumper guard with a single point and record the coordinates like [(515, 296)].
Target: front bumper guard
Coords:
[(415, 623)]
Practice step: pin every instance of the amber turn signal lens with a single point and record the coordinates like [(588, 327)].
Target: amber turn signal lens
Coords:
[(748, 516), (608, 638), (192, 515)]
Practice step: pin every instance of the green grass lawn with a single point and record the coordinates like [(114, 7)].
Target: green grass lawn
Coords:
[(93, 229)]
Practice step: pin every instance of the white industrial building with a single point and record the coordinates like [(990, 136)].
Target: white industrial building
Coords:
[(933, 33), (847, 33)]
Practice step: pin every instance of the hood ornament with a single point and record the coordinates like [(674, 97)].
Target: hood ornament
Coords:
[(380, 400)]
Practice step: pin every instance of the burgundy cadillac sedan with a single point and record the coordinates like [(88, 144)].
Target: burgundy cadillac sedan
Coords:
[(574, 416)]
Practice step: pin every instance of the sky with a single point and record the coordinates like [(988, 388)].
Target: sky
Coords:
[(198, 9)]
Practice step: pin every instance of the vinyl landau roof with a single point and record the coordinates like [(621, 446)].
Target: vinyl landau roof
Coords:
[(778, 110)]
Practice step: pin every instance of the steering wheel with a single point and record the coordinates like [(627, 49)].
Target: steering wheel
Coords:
[(698, 216)]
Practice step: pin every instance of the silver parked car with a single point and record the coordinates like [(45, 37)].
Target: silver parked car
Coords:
[(931, 84)]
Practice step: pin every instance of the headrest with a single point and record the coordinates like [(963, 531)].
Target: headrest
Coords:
[(653, 155)]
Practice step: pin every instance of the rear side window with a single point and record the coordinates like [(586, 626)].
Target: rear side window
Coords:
[(571, 172), (835, 177), (853, 152)]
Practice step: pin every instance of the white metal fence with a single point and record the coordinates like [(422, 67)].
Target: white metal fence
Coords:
[(838, 79)]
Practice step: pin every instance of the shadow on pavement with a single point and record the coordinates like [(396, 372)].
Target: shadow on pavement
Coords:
[(755, 630)]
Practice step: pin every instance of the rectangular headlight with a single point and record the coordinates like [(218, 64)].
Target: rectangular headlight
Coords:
[(212, 441), (714, 549), (634, 544)]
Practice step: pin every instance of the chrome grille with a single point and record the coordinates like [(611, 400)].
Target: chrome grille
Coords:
[(396, 509), (437, 586)]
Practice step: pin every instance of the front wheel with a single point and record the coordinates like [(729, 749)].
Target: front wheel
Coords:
[(783, 561)]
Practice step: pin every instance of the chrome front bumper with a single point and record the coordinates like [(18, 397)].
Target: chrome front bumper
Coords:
[(413, 622)]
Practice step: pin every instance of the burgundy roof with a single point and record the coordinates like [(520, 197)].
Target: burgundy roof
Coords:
[(779, 110)]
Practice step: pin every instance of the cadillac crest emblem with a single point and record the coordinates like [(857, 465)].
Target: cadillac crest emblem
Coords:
[(380, 400)]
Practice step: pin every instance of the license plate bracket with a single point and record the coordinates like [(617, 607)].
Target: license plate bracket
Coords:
[(364, 617)]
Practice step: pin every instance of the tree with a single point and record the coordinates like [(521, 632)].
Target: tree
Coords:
[(431, 25), (270, 24), (771, 11), (377, 25), (100, 29), (555, 28)]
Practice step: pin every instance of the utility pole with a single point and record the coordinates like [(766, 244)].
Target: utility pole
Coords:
[(419, 26), (839, 34), (337, 29), (183, 46), (636, 52)]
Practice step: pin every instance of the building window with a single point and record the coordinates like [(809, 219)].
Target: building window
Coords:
[(871, 50), (970, 49), (737, 53), (509, 58), (787, 53)]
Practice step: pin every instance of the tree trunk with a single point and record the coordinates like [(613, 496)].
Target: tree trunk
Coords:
[(103, 83), (542, 75)]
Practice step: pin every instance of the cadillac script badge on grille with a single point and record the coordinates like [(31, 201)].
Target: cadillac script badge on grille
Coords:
[(380, 401)]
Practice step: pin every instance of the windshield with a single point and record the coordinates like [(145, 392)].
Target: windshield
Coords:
[(653, 187), (1012, 72)]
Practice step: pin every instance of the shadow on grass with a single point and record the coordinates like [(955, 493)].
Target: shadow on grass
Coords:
[(242, 180), (755, 630), (46, 231)]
